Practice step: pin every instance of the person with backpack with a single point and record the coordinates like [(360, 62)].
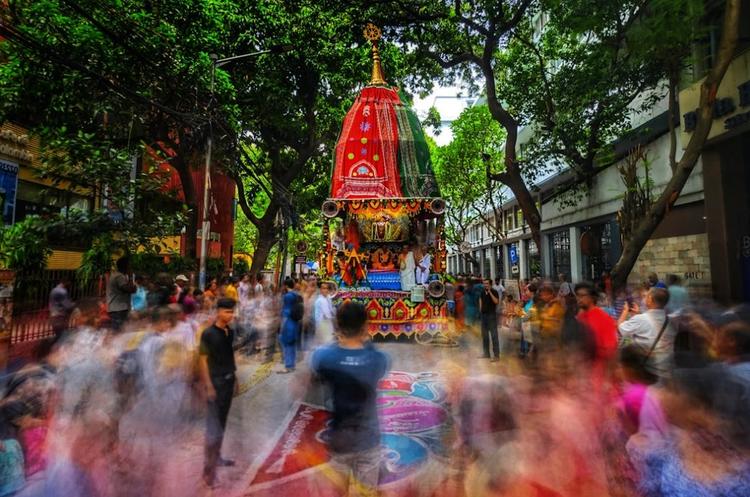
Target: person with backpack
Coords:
[(292, 312)]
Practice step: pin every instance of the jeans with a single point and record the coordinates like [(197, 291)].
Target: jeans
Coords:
[(489, 331), (290, 354), (117, 319), (358, 469), (216, 421)]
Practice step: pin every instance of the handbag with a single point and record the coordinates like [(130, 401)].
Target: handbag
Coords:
[(658, 337)]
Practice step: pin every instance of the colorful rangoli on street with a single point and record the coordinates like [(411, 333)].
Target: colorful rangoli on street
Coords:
[(415, 425)]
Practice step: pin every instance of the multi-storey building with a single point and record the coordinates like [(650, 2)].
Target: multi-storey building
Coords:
[(705, 239)]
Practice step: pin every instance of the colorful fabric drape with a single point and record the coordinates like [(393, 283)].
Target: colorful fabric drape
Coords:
[(382, 151), (366, 164)]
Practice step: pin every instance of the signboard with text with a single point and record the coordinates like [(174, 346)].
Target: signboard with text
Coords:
[(8, 187), (732, 107)]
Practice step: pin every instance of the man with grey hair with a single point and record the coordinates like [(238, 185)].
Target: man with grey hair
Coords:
[(651, 330)]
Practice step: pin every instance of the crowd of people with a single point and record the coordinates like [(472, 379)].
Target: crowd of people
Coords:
[(654, 389), (136, 369), (585, 391)]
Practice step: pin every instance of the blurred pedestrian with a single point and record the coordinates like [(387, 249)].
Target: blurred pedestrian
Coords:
[(139, 299), (182, 284), (655, 282), (678, 296), (119, 290), (324, 314), (651, 330), (488, 304), (61, 307), (352, 368), (230, 289), (292, 313), (244, 289), (602, 329), (565, 287)]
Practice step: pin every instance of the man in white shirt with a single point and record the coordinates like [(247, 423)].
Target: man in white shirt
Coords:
[(500, 289), (644, 330), (258, 289), (323, 314), (243, 289), (423, 267), (565, 287)]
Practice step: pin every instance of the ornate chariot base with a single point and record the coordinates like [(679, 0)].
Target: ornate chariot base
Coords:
[(393, 313)]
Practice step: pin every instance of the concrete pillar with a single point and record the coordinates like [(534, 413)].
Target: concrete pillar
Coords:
[(481, 262), (546, 256), (506, 262), (522, 263), (576, 258), (493, 262)]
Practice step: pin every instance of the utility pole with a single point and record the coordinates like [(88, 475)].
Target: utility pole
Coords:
[(216, 62), (206, 224)]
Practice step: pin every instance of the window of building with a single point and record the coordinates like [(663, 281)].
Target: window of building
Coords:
[(36, 199), (706, 48), (499, 262), (559, 242), (533, 259), (600, 249)]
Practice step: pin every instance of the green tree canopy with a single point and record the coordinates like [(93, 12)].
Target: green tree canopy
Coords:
[(460, 169)]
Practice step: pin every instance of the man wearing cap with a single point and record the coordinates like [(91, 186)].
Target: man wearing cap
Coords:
[(217, 370), (182, 287)]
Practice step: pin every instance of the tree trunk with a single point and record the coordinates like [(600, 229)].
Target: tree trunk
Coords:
[(188, 190), (514, 181), (511, 177), (265, 242), (685, 166)]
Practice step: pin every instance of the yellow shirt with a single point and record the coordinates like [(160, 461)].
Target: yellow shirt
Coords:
[(230, 292), (551, 319)]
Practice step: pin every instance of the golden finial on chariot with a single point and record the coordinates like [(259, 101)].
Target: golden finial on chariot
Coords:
[(372, 34)]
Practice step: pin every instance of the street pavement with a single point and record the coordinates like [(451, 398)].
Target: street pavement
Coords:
[(266, 399)]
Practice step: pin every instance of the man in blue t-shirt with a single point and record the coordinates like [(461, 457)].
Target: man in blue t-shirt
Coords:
[(352, 369)]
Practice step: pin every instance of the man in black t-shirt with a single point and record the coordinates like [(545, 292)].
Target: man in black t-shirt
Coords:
[(488, 308), (218, 376)]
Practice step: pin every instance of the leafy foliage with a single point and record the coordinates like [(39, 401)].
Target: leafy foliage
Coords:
[(24, 247), (580, 71), (97, 260), (460, 169)]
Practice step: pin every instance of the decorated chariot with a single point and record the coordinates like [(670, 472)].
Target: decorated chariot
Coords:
[(383, 230)]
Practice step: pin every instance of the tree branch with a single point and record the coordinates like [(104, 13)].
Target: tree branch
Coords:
[(243, 201)]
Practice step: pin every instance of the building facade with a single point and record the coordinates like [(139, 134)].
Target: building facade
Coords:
[(23, 193), (704, 239)]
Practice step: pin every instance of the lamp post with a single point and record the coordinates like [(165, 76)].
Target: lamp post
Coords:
[(216, 62)]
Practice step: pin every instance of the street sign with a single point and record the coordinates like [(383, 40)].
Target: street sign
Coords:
[(513, 254), (514, 269), (301, 259)]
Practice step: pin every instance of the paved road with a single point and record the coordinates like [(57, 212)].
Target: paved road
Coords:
[(259, 412), (266, 399)]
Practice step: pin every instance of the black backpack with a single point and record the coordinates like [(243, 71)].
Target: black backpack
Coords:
[(298, 308)]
